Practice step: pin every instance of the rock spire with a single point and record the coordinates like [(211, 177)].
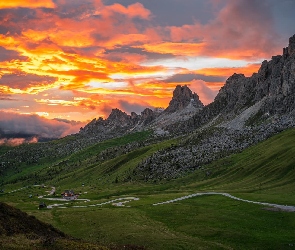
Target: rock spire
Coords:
[(182, 97)]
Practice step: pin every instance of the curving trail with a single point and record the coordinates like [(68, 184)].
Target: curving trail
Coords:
[(117, 202), (120, 202), (281, 207)]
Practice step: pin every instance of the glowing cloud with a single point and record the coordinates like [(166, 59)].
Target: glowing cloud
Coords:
[(77, 60), (27, 4)]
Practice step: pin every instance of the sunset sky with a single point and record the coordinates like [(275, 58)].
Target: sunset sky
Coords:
[(65, 62)]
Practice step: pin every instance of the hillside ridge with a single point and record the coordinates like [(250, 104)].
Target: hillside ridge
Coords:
[(246, 111), (183, 105)]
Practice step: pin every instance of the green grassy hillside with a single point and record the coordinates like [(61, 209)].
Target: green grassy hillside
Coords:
[(18, 230), (48, 168), (267, 168), (262, 173)]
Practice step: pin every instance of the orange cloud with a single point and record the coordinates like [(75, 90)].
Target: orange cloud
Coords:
[(125, 39), (215, 85), (27, 4), (175, 48), (205, 93), (134, 69), (227, 72), (17, 141), (233, 33), (88, 57), (133, 10), (128, 105)]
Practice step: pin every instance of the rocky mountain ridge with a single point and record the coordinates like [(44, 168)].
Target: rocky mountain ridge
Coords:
[(246, 111), (270, 91), (184, 104), (273, 86)]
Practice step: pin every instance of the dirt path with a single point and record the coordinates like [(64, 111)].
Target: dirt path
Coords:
[(120, 202), (277, 206)]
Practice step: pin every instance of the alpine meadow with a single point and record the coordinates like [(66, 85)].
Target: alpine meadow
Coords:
[(125, 125)]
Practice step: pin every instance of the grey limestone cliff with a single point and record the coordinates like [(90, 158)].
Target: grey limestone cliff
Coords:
[(182, 97), (273, 86), (184, 104)]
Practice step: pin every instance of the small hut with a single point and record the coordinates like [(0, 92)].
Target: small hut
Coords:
[(69, 195), (42, 205)]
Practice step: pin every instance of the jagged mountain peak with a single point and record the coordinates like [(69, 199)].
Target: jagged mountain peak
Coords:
[(290, 50), (268, 93), (117, 114), (182, 97), (184, 104)]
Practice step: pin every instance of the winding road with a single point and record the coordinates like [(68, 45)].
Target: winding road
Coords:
[(116, 202), (280, 207), (120, 202)]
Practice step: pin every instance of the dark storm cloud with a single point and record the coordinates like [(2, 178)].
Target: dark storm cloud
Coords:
[(8, 55), (14, 125), (15, 21), (22, 81), (132, 107), (139, 51), (283, 12), (73, 9), (175, 12), (191, 76)]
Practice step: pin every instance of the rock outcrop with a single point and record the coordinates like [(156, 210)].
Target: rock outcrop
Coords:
[(182, 97), (147, 116), (246, 110), (291, 48), (274, 83), (184, 105)]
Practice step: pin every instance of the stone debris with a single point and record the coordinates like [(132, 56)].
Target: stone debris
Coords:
[(205, 146)]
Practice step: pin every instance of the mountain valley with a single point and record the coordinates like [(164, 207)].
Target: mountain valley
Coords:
[(241, 144)]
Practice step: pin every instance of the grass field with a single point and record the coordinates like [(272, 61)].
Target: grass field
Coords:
[(262, 173)]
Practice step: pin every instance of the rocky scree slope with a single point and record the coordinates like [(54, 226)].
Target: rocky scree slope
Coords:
[(274, 85), (246, 111), (204, 146)]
